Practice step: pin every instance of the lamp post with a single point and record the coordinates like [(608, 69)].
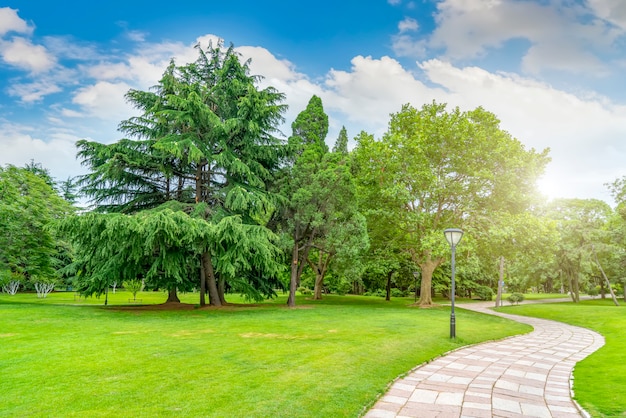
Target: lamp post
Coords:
[(453, 236), (415, 275)]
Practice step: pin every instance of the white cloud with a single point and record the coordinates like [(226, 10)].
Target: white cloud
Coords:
[(67, 47), (371, 90), (33, 92), (104, 100), (56, 153), (11, 22), (136, 36), (408, 25), (560, 35), (404, 45), (21, 53), (612, 10)]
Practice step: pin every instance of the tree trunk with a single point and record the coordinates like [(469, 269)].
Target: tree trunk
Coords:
[(202, 284), (608, 283), (500, 283), (388, 289), (427, 266), (319, 285), (221, 290), (172, 296), (293, 280), (214, 298), (575, 288), (320, 272)]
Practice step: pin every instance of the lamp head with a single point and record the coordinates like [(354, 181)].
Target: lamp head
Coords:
[(453, 235)]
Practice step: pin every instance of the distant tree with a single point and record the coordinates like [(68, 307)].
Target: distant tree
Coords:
[(133, 286), (435, 169), (320, 214), (41, 172), (310, 128), (580, 224), (341, 145), (28, 207), (43, 285), (10, 281), (68, 190)]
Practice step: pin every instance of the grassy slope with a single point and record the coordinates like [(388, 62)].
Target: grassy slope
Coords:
[(599, 382), (328, 358)]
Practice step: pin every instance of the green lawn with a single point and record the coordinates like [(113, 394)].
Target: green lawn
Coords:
[(328, 358), (599, 380)]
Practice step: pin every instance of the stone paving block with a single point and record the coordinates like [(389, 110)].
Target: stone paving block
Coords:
[(425, 396), (532, 390), (450, 398), (477, 405), (394, 399), (507, 405), (533, 410), (379, 413)]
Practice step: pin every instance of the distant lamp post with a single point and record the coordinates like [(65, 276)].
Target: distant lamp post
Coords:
[(415, 276), (453, 235)]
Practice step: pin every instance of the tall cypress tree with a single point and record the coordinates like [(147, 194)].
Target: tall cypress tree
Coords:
[(205, 138)]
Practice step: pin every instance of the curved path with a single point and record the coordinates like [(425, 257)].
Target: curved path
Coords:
[(524, 376)]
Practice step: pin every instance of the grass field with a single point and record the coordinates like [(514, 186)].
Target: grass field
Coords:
[(599, 380), (326, 358)]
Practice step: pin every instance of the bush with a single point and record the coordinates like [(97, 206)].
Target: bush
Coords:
[(397, 293), (304, 290), (484, 293), (593, 292), (515, 298), (340, 286)]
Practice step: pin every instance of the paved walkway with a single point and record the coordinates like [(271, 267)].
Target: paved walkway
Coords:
[(524, 376)]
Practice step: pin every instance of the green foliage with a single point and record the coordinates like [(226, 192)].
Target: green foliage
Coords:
[(436, 168), (28, 207), (155, 245), (163, 246), (310, 128), (304, 290), (515, 298), (133, 286), (341, 145), (204, 139), (397, 293), (10, 282), (593, 291), (43, 285), (484, 292)]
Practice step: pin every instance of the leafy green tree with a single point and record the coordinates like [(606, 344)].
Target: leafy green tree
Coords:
[(68, 190), (10, 281), (320, 214), (28, 206), (435, 169), (580, 224), (205, 137), (341, 145), (342, 231), (133, 286), (310, 128)]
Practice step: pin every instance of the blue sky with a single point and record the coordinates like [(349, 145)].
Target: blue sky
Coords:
[(551, 70)]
